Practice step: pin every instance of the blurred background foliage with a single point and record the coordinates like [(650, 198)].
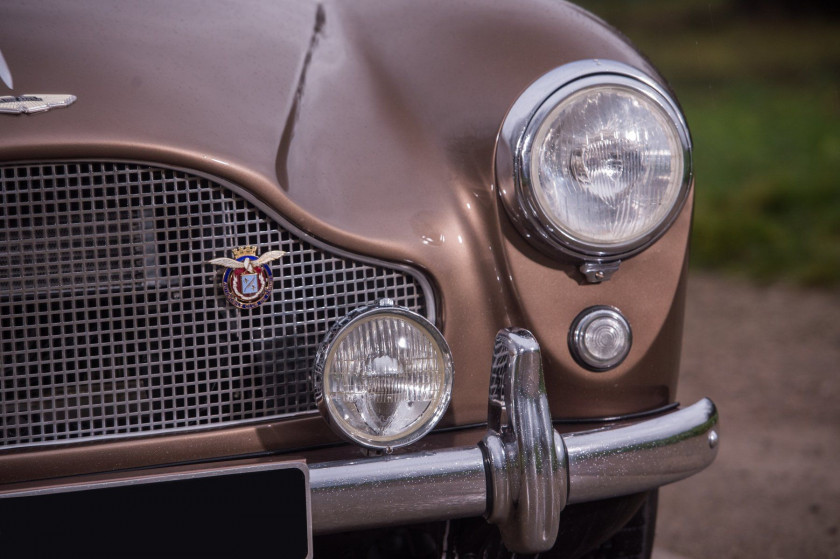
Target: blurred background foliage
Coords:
[(759, 81)]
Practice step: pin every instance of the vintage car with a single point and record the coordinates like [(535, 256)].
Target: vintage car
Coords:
[(351, 279)]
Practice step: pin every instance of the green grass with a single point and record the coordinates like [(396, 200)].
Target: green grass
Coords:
[(762, 98)]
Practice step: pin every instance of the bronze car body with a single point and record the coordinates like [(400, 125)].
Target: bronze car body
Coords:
[(369, 127)]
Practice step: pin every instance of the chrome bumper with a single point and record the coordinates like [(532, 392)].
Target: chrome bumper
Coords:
[(523, 472)]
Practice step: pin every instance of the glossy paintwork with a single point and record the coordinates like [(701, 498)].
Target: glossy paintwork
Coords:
[(370, 125)]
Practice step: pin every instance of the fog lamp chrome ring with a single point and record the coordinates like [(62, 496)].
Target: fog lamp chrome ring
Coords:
[(600, 338), (383, 376)]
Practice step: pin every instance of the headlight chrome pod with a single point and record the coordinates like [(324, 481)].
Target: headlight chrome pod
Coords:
[(383, 376), (593, 161)]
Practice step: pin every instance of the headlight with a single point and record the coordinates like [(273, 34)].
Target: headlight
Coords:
[(383, 376), (594, 161)]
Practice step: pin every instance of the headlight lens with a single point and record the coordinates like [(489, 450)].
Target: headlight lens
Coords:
[(601, 165), (607, 165), (383, 376)]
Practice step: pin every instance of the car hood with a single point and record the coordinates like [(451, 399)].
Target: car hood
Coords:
[(349, 110), (212, 78)]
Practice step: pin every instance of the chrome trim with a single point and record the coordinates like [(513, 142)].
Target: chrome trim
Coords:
[(517, 133), (382, 307), (596, 272), (640, 457), (526, 457), (392, 490)]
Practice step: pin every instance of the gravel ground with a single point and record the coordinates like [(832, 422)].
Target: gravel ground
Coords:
[(770, 359)]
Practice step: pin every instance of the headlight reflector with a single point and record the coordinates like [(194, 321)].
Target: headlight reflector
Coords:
[(594, 160), (383, 376)]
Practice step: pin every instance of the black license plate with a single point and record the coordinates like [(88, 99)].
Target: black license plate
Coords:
[(240, 512)]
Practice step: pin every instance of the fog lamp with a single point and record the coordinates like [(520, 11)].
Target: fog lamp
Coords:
[(600, 338), (383, 376)]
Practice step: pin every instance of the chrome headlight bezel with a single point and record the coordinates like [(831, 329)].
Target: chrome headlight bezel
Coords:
[(513, 156), (332, 340)]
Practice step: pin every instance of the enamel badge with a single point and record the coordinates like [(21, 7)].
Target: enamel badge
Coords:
[(247, 281)]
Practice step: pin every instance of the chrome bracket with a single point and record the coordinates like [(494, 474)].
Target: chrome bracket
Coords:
[(526, 458), (596, 272)]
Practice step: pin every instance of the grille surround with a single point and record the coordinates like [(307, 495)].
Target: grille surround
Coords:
[(156, 348)]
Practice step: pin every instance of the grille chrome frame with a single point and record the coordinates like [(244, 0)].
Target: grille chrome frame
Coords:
[(110, 334)]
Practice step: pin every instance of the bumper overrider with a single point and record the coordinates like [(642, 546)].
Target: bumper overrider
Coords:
[(519, 477)]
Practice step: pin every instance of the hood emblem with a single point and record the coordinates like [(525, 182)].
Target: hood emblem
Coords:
[(34, 103), (247, 281)]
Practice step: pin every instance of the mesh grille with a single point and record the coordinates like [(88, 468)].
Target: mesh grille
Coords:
[(113, 323), (499, 369)]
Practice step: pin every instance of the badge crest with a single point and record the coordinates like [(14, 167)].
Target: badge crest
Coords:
[(247, 281)]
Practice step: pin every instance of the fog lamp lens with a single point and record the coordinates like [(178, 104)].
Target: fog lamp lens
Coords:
[(383, 376), (600, 338)]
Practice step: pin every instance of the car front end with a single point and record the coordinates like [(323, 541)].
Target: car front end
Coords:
[(276, 270)]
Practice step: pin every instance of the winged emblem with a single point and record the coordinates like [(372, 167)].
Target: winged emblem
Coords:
[(34, 102), (247, 281), (249, 264)]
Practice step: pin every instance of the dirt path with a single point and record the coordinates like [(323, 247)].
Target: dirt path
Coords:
[(770, 359)]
